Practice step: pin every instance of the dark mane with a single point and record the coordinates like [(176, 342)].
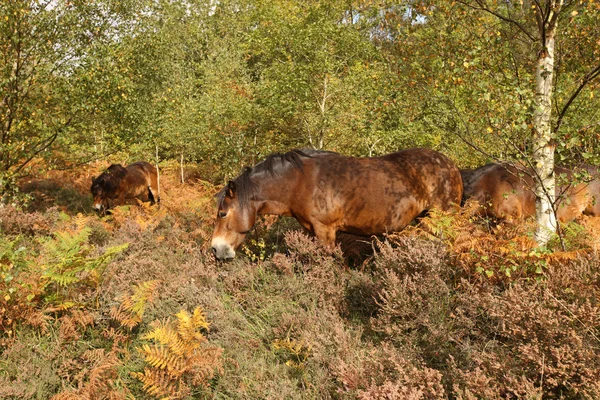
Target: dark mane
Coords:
[(246, 188), (110, 179)]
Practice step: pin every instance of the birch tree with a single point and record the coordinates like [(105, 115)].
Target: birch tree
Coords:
[(538, 23), (543, 145)]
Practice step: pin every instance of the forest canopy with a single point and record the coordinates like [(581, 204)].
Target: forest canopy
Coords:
[(224, 83)]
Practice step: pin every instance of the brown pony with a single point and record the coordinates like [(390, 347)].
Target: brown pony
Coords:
[(505, 191), (329, 193), (593, 188), (117, 185)]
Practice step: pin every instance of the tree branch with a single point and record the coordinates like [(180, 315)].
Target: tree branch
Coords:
[(590, 76), (43, 146), (483, 7), (540, 18)]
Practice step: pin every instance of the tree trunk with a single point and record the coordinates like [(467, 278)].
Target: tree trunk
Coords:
[(157, 175), (181, 169), (543, 145)]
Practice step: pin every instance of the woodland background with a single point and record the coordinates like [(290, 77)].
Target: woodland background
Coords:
[(454, 308)]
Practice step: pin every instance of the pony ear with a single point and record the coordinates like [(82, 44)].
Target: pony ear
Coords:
[(93, 179), (231, 189)]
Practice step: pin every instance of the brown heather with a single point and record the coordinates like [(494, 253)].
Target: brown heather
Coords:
[(452, 308)]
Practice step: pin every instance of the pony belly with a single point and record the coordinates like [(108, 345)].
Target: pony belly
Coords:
[(382, 218)]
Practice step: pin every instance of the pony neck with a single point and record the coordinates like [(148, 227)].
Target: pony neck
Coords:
[(275, 192)]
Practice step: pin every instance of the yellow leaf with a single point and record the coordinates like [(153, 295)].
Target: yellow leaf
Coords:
[(489, 129)]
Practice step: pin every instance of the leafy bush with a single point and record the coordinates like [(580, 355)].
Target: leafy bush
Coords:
[(52, 272)]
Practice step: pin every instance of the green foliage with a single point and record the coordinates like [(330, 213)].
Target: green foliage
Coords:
[(67, 258), (12, 260), (49, 271), (47, 81), (573, 237), (227, 83)]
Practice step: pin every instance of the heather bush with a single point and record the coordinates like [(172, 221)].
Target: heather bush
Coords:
[(448, 308), (388, 375), (16, 222), (415, 299), (361, 297), (528, 341), (530, 334)]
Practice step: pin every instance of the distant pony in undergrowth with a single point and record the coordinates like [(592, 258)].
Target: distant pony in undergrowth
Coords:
[(119, 185), (329, 193), (505, 191)]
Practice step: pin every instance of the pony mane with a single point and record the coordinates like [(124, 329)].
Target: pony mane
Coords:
[(110, 179), (246, 187)]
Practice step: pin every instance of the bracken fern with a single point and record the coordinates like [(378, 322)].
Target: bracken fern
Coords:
[(177, 359), (131, 310), (68, 258)]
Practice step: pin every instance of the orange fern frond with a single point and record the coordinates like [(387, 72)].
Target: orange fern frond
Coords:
[(177, 358), (131, 310)]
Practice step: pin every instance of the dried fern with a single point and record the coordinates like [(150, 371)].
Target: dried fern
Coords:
[(101, 380), (177, 359), (294, 351), (131, 310)]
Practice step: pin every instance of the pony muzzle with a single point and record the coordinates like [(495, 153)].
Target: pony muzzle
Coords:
[(222, 250)]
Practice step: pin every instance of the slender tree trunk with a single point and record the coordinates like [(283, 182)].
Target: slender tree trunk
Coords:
[(181, 168), (543, 145), (157, 175), (323, 109)]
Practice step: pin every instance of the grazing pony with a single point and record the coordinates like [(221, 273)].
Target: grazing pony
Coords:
[(505, 191), (329, 193), (117, 185), (593, 188)]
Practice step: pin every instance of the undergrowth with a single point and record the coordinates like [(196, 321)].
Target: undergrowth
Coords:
[(453, 307)]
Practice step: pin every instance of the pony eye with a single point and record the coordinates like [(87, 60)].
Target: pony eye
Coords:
[(222, 214)]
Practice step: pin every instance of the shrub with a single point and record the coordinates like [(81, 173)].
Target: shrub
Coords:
[(54, 272), (386, 374), (15, 222)]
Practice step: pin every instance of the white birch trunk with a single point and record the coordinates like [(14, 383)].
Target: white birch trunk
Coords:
[(157, 175), (181, 169), (543, 145)]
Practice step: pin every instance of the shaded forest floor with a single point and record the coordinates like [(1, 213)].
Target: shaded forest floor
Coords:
[(451, 308)]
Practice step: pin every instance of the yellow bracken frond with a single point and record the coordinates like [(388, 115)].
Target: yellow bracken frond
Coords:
[(189, 325), (177, 358), (131, 310), (80, 221)]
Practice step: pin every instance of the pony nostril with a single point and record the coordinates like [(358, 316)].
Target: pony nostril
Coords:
[(214, 250)]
